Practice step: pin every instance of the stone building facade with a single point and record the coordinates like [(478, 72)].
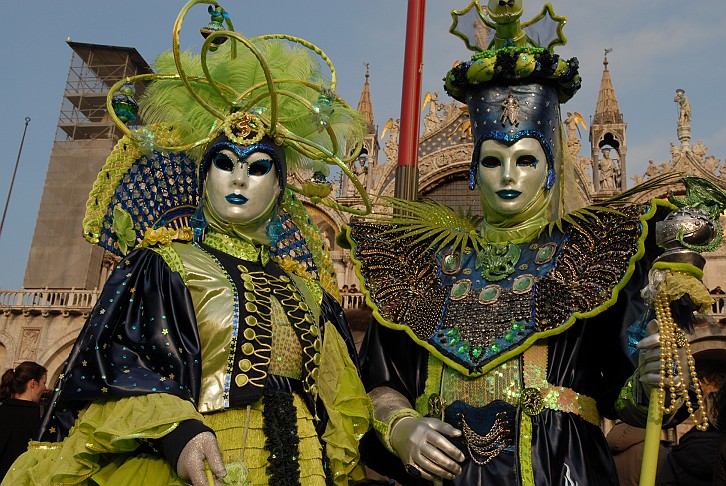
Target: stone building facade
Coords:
[(41, 321)]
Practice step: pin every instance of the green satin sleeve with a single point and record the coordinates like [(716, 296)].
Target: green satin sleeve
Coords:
[(348, 406)]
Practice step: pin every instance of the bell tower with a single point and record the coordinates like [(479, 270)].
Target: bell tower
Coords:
[(607, 140), (364, 167)]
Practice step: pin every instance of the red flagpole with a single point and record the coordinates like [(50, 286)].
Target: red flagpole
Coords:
[(407, 169)]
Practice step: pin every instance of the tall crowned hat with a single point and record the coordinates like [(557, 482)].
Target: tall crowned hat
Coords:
[(514, 84), (276, 91)]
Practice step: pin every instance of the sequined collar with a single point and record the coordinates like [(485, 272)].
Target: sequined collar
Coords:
[(474, 312), (237, 247)]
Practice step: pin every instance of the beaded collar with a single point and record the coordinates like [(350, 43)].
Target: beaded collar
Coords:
[(237, 247), (476, 309)]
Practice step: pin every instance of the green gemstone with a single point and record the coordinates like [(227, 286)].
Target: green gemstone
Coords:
[(517, 326), (462, 349), (451, 263), (476, 352), (509, 337), (522, 283), (545, 252), (488, 294), (450, 332), (495, 348), (454, 341)]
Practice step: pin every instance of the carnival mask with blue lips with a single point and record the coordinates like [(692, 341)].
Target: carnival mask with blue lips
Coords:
[(243, 183), (511, 178)]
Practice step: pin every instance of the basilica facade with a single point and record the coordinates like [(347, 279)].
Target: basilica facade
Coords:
[(41, 321)]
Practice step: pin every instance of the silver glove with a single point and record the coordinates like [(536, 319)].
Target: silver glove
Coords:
[(190, 465), (422, 445), (649, 359)]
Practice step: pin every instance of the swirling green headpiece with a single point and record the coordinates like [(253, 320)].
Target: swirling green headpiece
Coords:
[(275, 85)]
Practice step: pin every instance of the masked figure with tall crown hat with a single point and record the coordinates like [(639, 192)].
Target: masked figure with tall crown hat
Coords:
[(501, 342), (217, 352)]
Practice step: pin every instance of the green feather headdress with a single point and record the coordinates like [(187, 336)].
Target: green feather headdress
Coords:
[(277, 85)]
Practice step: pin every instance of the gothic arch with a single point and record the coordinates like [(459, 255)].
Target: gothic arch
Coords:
[(9, 350), (54, 358)]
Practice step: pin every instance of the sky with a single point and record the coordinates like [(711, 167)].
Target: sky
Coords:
[(658, 47)]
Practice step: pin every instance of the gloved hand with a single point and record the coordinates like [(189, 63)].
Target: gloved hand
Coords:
[(649, 359), (190, 465), (422, 445)]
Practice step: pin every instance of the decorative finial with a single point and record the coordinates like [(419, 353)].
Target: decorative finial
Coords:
[(605, 61), (499, 26), (218, 15)]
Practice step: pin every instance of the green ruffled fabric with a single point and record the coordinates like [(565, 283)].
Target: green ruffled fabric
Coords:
[(99, 448), (349, 408)]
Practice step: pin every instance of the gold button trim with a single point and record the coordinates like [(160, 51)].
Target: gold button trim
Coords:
[(241, 380), (245, 364)]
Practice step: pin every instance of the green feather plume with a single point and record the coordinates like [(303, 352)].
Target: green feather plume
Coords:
[(443, 226), (291, 66), (430, 219), (611, 204)]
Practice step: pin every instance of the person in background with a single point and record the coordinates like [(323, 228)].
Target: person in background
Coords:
[(20, 392), (626, 444), (694, 460), (718, 304)]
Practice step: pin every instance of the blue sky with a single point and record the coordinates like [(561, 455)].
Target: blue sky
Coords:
[(658, 46)]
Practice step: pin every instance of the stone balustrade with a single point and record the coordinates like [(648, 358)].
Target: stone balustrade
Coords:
[(352, 300), (45, 301)]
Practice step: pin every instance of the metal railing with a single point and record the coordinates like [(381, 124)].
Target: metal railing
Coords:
[(47, 300)]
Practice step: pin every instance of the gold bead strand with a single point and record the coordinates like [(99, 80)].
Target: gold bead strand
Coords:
[(671, 339)]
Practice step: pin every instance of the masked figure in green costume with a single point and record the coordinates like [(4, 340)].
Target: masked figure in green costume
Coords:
[(215, 354), (500, 344)]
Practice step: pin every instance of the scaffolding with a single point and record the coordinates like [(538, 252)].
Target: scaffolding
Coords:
[(94, 69)]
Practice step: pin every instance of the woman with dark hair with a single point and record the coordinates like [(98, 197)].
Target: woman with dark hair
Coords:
[(20, 393)]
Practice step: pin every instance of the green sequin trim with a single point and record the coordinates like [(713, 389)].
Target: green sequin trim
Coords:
[(433, 384), (238, 248), (315, 290), (525, 450), (626, 396), (171, 257)]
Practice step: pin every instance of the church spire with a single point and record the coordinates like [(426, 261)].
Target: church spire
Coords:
[(607, 139), (607, 110), (365, 106)]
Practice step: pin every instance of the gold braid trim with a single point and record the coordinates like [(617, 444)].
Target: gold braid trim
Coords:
[(258, 289)]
